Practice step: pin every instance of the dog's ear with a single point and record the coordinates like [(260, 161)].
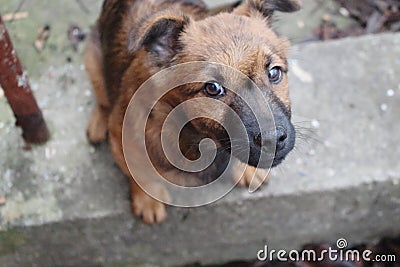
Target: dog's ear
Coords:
[(267, 7), (159, 34)]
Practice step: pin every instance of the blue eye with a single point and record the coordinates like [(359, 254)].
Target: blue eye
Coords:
[(275, 75), (214, 89)]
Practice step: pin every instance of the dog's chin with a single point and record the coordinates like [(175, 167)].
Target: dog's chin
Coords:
[(264, 163), (254, 160), (277, 161)]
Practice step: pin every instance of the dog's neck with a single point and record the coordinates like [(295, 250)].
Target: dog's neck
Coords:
[(189, 140)]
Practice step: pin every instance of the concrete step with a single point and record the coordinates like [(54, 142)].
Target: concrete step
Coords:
[(67, 203)]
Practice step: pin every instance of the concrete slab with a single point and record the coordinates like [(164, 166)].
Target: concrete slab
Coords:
[(67, 203)]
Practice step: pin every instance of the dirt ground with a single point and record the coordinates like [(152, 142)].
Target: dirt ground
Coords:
[(62, 15)]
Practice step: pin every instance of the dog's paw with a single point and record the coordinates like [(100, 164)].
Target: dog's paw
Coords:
[(97, 128), (151, 210)]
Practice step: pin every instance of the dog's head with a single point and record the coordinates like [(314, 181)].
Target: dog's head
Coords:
[(242, 40)]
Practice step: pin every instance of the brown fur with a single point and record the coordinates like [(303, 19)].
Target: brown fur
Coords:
[(118, 59)]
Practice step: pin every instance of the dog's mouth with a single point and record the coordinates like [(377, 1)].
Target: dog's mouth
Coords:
[(268, 160), (262, 156), (264, 151), (277, 161)]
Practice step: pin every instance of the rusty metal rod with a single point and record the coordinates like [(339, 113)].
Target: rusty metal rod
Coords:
[(17, 90)]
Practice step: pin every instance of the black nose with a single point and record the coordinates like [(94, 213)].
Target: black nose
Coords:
[(281, 138)]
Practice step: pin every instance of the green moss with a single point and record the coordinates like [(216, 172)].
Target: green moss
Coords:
[(58, 15), (10, 241)]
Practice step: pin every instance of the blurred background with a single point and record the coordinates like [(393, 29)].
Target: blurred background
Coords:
[(66, 203)]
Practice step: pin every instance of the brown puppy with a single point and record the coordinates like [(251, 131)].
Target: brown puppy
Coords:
[(135, 39)]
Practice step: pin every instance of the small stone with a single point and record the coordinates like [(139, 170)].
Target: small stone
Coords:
[(328, 144), (300, 24), (344, 12), (47, 153), (312, 152), (1, 93), (315, 124), (384, 107), (331, 172), (326, 17), (88, 93), (3, 200), (50, 152), (390, 93), (35, 86)]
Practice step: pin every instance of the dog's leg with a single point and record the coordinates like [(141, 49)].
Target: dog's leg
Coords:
[(93, 59), (251, 175), (150, 209)]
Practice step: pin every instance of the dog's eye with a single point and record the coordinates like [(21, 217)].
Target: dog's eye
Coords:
[(275, 75), (214, 89)]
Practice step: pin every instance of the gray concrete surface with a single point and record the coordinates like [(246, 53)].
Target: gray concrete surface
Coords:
[(67, 204)]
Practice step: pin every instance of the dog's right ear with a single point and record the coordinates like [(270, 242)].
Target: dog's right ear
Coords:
[(159, 34), (267, 7)]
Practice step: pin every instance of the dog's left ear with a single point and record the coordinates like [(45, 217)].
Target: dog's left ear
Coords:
[(267, 7), (159, 34)]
